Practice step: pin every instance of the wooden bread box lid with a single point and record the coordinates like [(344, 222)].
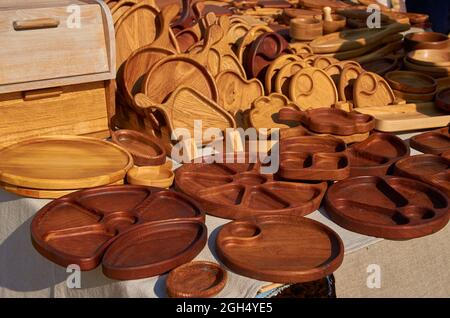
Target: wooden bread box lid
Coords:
[(43, 45)]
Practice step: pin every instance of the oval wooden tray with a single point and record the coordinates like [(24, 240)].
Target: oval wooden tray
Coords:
[(236, 190), (411, 82), (433, 142), (280, 248), (313, 158), (152, 176), (123, 227), (376, 155), (430, 57), (427, 168), (63, 162), (391, 207), (198, 279), (145, 149), (371, 89)]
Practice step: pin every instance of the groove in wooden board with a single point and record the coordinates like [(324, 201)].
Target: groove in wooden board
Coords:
[(188, 37), (346, 81), (301, 49), (284, 75), (370, 89), (323, 62), (274, 69), (248, 38), (236, 93), (312, 88)]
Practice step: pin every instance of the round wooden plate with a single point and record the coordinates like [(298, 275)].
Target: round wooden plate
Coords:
[(63, 162), (275, 67), (411, 82), (198, 279), (280, 248), (285, 74), (370, 89), (430, 57)]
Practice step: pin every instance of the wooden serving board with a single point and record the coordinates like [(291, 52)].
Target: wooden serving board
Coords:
[(284, 75), (280, 248), (152, 176), (124, 228), (391, 207), (370, 89), (406, 117), (433, 142), (236, 190), (63, 162), (275, 67)]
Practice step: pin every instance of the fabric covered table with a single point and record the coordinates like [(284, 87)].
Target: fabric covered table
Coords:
[(417, 267)]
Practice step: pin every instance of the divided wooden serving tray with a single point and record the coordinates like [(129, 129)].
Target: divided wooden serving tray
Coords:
[(389, 207), (236, 190), (280, 248), (133, 231), (432, 142), (63, 162)]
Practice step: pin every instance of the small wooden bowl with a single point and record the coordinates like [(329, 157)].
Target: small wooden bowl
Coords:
[(411, 82), (152, 176), (199, 279), (426, 40), (412, 98), (306, 28), (338, 24), (443, 99)]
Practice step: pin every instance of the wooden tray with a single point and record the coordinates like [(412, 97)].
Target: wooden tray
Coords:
[(430, 57), (330, 120), (382, 65), (152, 176), (198, 279), (427, 168), (248, 39), (391, 207), (284, 75), (433, 142), (275, 67), (313, 158), (145, 149), (394, 118), (411, 82), (123, 227), (347, 81), (233, 191), (443, 99), (371, 89), (319, 4), (436, 72), (63, 162), (376, 155), (280, 248)]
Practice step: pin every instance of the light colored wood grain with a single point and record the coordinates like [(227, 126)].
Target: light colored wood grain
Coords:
[(380, 53), (165, 37), (63, 162), (323, 62), (313, 88), (284, 75), (274, 68), (120, 8), (301, 49), (346, 81), (79, 110), (236, 93), (152, 176), (370, 89), (248, 38)]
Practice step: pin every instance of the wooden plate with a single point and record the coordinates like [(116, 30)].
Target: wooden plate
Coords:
[(123, 227), (280, 248), (391, 207), (312, 88), (285, 74), (152, 176), (145, 149), (63, 162), (347, 81), (236, 190), (371, 89), (433, 142), (313, 158), (275, 67), (414, 98), (248, 39), (430, 169), (376, 155), (430, 57), (434, 71), (443, 99), (411, 82), (198, 279), (426, 40), (382, 65)]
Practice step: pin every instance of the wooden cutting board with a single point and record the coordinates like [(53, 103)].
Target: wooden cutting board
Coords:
[(63, 162)]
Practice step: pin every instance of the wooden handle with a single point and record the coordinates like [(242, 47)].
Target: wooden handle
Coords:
[(42, 93), (327, 14), (289, 114), (34, 24)]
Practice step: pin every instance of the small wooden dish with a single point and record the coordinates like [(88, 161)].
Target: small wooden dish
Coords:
[(443, 99), (199, 279), (430, 57), (426, 40), (411, 82), (305, 28), (433, 142), (436, 72), (152, 176)]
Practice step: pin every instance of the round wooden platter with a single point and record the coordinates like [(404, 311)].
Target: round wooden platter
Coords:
[(63, 162), (152, 176), (312, 88), (434, 71), (284, 75), (237, 93), (392, 207), (382, 65), (236, 190), (174, 71), (280, 248), (370, 89), (133, 231), (275, 67), (411, 82), (145, 149), (199, 279), (435, 58)]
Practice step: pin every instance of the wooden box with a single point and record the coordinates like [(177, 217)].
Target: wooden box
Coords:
[(57, 65)]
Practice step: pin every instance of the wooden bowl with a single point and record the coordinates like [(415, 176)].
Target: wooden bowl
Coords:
[(426, 40), (411, 82), (412, 98), (430, 57), (436, 72), (443, 99), (381, 65), (338, 24), (306, 28), (196, 280)]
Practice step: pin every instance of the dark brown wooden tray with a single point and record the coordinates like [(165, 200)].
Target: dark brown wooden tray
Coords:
[(330, 120), (443, 99), (390, 207), (434, 142), (316, 158), (134, 231), (430, 169), (237, 190), (376, 155), (145, 149), (280, 248), (198, 279)]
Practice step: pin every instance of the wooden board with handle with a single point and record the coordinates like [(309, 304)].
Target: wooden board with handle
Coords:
[(370, 89)]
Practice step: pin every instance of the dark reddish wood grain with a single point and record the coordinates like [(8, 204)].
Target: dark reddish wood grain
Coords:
[(443, 99), (426, 40), (433, 142)]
